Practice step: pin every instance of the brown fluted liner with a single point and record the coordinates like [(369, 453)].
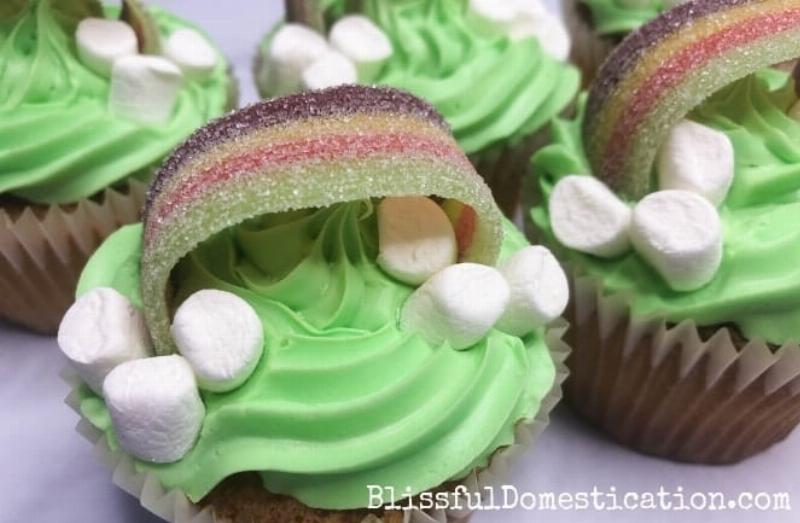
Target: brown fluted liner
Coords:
[(589, 49), (681, 392), (44, 248), (505, 166), (240, 500)]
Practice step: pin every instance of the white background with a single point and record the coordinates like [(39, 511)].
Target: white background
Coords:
[(48, 473)]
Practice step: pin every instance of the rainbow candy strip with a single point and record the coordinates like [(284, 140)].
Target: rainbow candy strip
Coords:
[(667, 68), (307, 150)]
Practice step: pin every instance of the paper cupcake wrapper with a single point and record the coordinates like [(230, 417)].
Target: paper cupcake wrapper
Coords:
[(681, 391), (44, 248), (173, 505), (505, 166), (589, 49)]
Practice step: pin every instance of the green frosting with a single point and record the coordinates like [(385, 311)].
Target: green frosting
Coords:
[(614, 17), (341, 398), (758, 285), (490, 89), (58, 141)]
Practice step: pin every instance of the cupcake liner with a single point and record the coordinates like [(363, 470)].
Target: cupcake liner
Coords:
[(683, 392), (589, 49), (44, 248), (505, 166), (173, 506)]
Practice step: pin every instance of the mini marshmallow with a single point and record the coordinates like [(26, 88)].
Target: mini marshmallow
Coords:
[(192, 52), (221, 337), (458, 305), (697, 158), (519, 19), (679, 233), (293, 49), (101, 330), (364, 43), (155, 408), (331, 69), (416, 239), (588, 217), (144, 88), (539, 290), (101, 42), (547, 28), (493, 17)]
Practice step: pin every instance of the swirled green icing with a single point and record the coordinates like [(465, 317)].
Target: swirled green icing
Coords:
[(342, 398), (758, 285), (613, 17), (490, 89), (58, 141)]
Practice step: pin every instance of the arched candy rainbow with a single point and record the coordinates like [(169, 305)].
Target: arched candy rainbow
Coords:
[(660, 73), (307, 150)]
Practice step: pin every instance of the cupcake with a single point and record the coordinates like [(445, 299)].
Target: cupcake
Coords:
[(311, 310), (670, 199), (86, 112), (497, 71)]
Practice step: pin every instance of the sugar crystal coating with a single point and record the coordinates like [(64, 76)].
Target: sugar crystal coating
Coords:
[(667, 68), (308, 150)]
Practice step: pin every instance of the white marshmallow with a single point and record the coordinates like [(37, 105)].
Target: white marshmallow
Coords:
[(588, 217), (548, 29), (519, 19), (458, 305), (101, 330), (155, 408), (294, 48), (190, 51), (144, 88), (697, 158), (679, 233), (493, 17), (331, 69), (101, 42), (416, 239), (359, 39), (221, 337), (539, 290)]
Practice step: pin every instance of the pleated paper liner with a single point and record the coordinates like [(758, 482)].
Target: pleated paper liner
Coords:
[(589, 48), (505, 166), (682, 392), (173, 506), (44, 248)]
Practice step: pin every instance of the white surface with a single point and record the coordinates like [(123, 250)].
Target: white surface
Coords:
[(49, 473)]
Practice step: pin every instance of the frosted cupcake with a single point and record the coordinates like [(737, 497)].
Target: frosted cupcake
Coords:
[(670, 199), (322, 268), (86, 112), (495, 70)]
